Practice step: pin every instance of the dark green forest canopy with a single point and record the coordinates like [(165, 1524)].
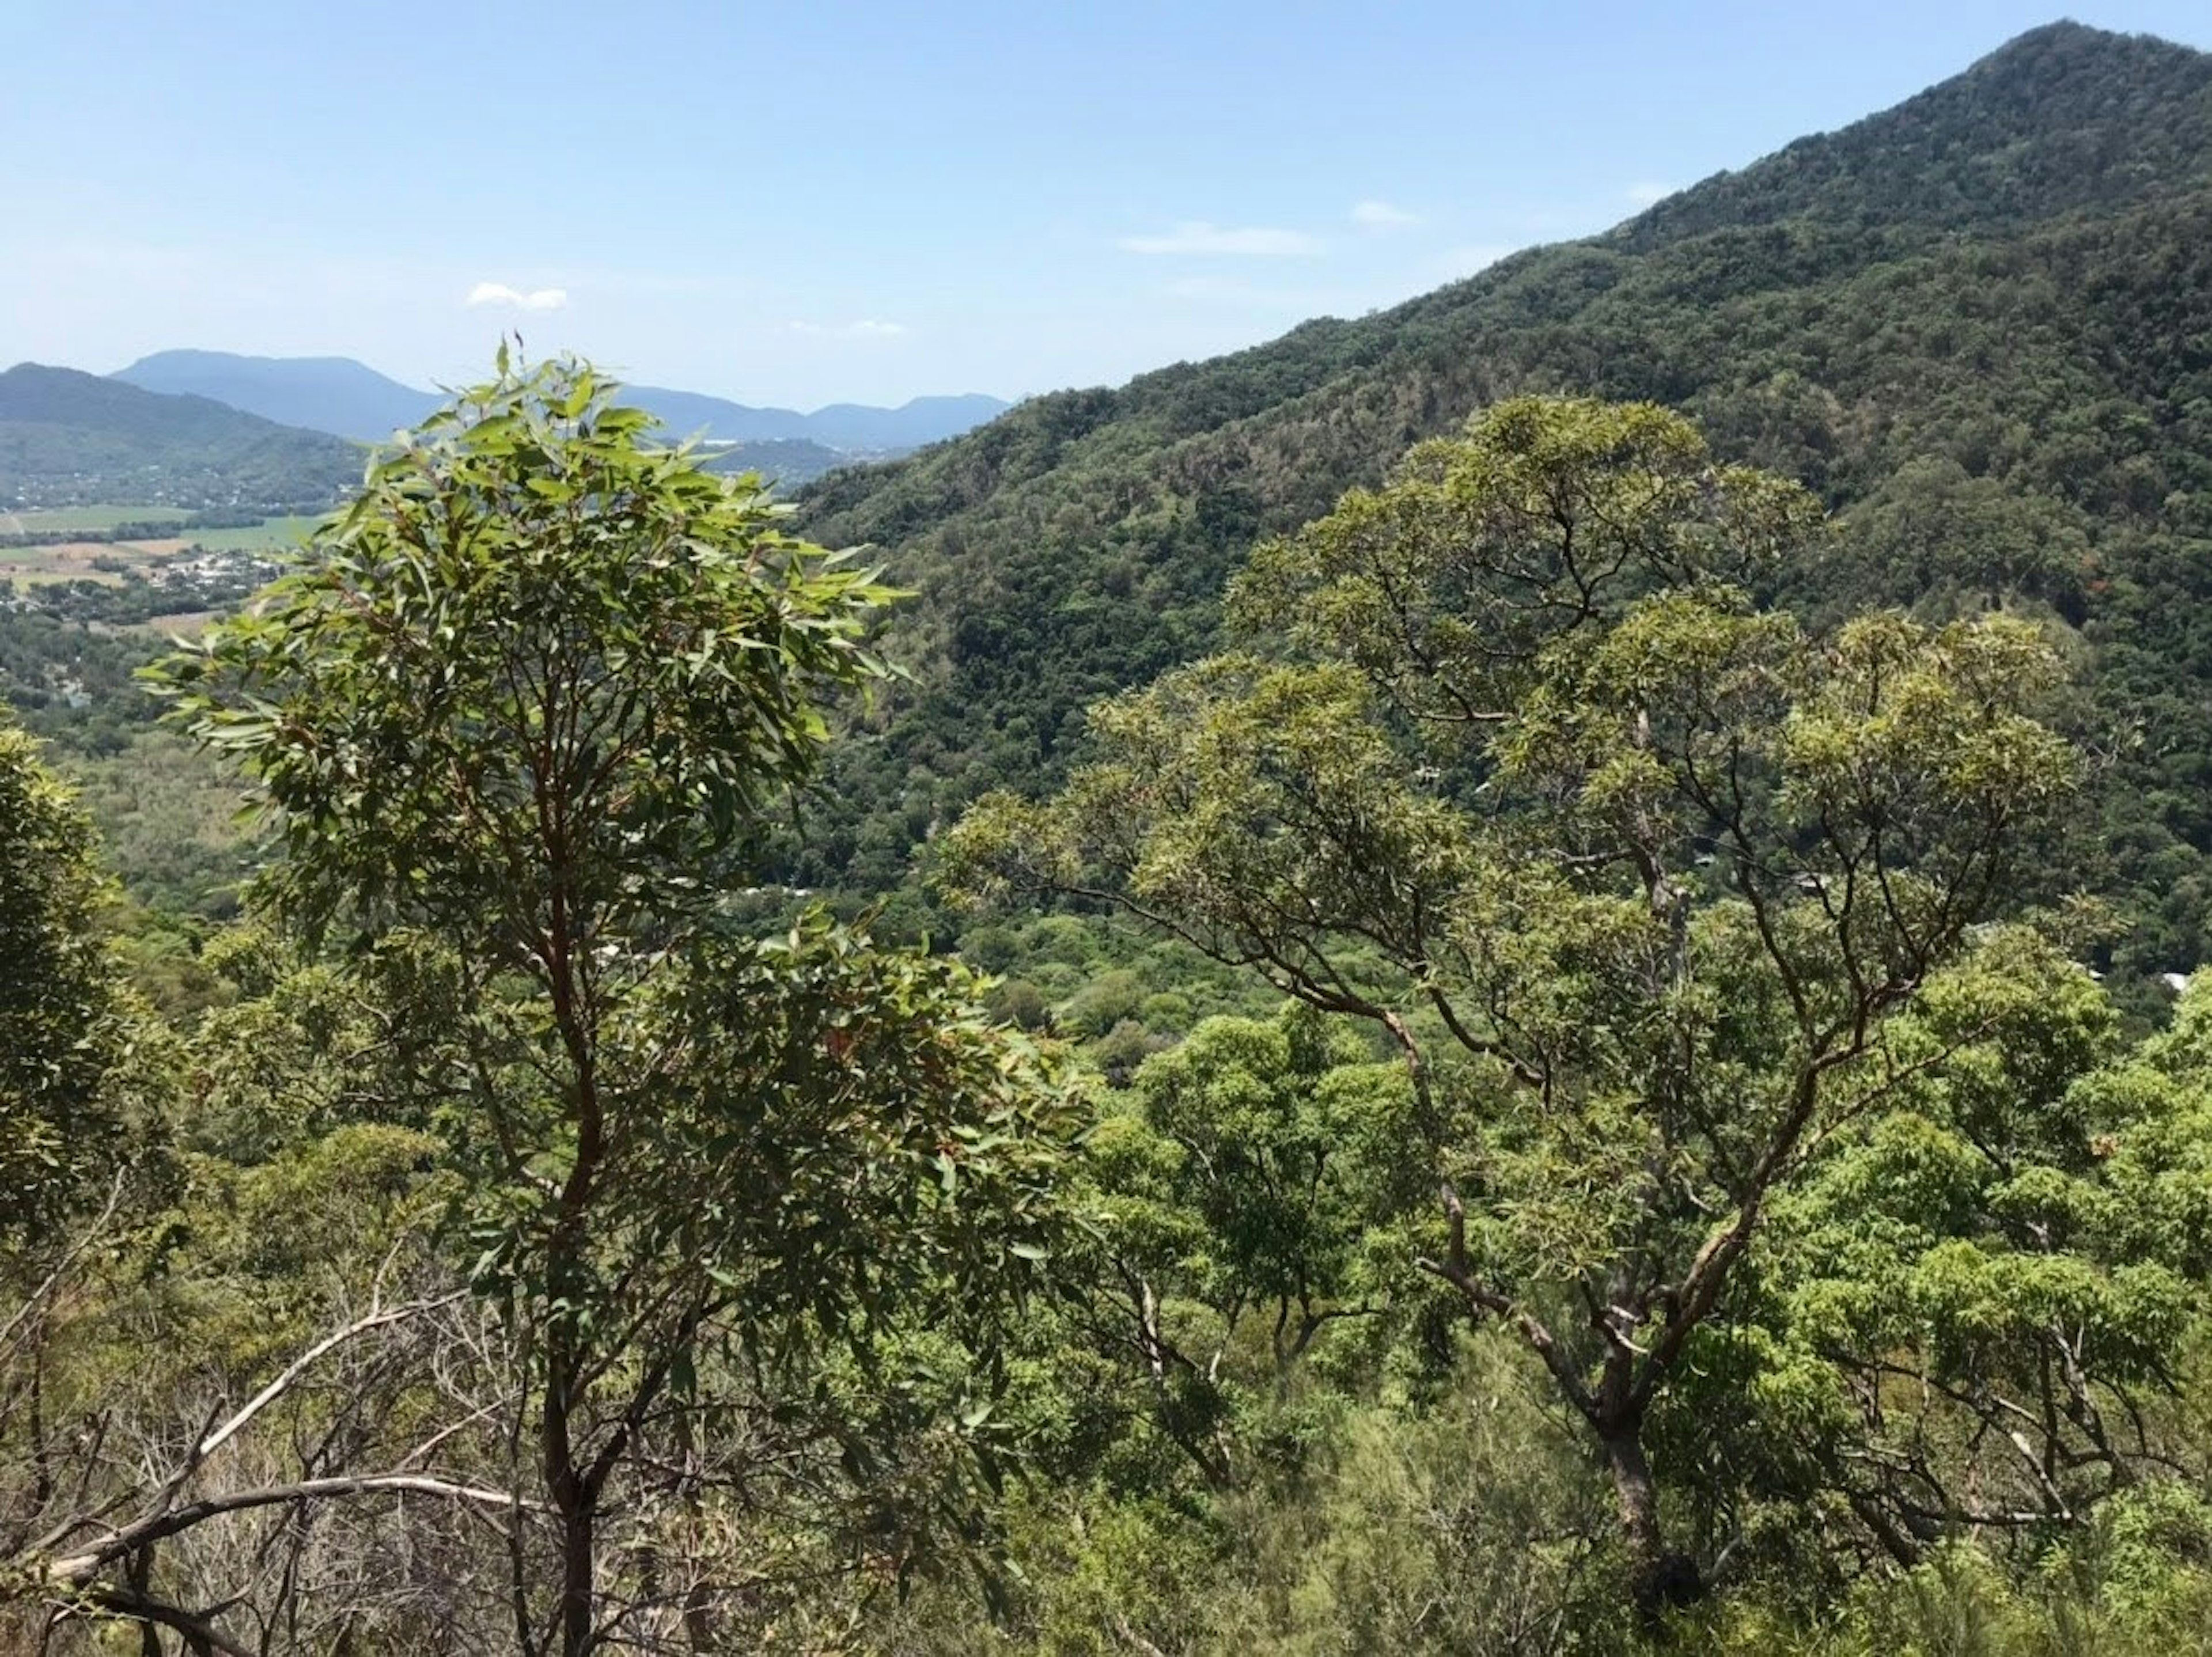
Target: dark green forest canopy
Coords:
[(1978, 326)]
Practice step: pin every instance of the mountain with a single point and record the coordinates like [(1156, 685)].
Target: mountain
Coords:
[(1979, 323), (332, 394), (924, 419), (789, 461), (2062, 119), (340, 396), (849, 427), (69, 438)]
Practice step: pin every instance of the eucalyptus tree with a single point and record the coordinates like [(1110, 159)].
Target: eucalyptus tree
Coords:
[(1977, 1305), (1635, 874), (524, 713)]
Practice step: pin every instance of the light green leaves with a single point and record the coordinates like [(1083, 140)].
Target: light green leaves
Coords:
[(1639, 877), (61, 1026), (1549, 518)]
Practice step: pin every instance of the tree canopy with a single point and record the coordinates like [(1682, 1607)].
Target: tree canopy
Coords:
[(61, 1029), (1637, 876), (522, 713)]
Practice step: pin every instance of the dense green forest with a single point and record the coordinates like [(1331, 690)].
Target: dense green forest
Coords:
[(1975, 325), (1507, 978)]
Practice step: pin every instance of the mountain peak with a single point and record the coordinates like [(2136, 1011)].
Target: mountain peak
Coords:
[(332, 394), (350, 399), (2063, 118)]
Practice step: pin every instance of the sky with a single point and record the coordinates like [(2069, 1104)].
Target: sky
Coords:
[(839, 201)]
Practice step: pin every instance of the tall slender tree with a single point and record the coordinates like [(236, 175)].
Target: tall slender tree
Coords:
[(524, 713)]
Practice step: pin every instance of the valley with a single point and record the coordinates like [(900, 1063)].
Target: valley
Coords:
[(1521, 975)]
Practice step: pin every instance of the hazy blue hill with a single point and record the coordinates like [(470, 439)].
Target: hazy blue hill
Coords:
[(695, 414), (67, 437), (332, 394), (921, 421), (849, 427), (350, 399)]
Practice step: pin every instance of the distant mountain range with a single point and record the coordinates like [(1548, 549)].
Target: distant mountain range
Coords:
[(348, 398), (69, 438), (210, 429)]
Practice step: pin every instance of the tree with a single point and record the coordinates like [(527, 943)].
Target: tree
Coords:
[(525, 714), (1636, 875), (1999, 1259), (1235, 1188), (61, 1023)]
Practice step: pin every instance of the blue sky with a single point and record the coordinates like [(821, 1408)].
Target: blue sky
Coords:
[(841, 201)]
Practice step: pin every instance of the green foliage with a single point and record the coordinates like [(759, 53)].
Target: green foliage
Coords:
[(523, 714), (1538, 790), (1282, 1143), (1956, 321), (1625, 829), (1462, 1526), (62, 1026), (662, 686)]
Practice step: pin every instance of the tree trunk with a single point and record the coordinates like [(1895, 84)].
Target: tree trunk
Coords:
[(573, 1502), (1660, 1578), (579, 1621), (575, 1495)]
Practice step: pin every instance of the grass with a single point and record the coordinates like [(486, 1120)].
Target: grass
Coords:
[(73, 561), (270, 534), (86, 518), (178, 625)]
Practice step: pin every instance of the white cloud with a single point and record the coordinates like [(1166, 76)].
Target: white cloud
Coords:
[(1196, 236), (1381, 215), (865, 328), (538, 299), (1643, 194)]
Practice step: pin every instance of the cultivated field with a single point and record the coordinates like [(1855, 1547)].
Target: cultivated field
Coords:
[(74, 561), (79, 561), (270, 534), (86, 518)]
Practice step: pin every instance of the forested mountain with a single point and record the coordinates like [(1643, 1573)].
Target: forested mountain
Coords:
[(1976, 324), (1500, 1051), (338, 395), (67, 437), (787, 461)]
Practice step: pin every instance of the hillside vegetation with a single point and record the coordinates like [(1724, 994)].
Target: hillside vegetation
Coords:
[(70, 438), (1511, 979), (1975, 325)]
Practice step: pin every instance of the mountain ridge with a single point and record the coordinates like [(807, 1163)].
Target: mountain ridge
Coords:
[(2002, 383), (68, 437), (348, 398), (2051, 86)]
